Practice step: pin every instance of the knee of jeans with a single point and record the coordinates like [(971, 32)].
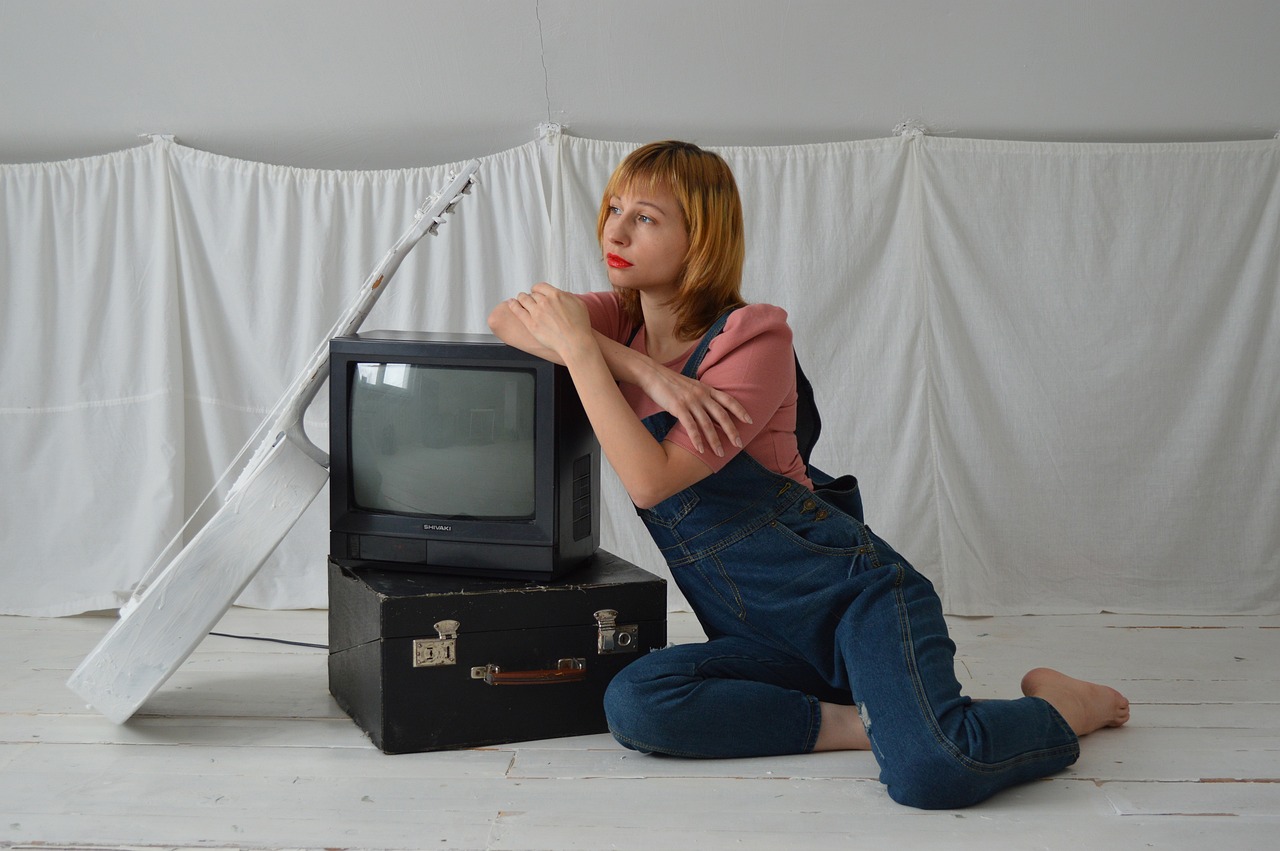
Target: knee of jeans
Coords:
[(935, 781), (631, 705), (619, 702)]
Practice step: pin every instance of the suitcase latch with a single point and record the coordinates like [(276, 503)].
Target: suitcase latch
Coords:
[(615, 637), (434, 652)]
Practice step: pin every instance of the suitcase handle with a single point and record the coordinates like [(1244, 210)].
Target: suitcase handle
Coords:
[(566, 671)]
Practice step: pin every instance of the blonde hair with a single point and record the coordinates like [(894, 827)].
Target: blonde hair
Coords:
[(703, 185)]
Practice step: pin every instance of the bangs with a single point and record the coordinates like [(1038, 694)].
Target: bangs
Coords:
[(644, 176)]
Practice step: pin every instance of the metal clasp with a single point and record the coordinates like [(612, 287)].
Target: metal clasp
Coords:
[(615, 638), (434, 652)]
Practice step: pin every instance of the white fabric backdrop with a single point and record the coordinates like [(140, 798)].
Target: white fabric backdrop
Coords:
[(1054, 368)]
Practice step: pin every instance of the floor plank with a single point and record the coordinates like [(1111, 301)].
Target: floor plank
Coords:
[(244, 748)]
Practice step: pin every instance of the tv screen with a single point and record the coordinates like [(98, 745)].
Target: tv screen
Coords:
[(443, 441), (456, 453)]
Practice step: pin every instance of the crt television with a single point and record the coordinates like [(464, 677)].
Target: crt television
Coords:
[(456, 453)]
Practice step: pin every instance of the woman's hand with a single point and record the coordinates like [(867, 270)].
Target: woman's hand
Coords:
[(558, 322), (554, 318), (698, 407)]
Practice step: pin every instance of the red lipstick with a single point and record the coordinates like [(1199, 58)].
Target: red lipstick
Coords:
[(616, 262)]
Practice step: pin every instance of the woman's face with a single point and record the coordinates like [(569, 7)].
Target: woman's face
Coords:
[(645, 241)]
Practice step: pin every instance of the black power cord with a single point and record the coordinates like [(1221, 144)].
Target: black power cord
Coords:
[(273, 640)]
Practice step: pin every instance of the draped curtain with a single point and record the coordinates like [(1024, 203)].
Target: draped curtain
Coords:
[(1055, 368)]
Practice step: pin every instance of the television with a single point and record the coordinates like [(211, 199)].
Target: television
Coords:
[(456, 453)]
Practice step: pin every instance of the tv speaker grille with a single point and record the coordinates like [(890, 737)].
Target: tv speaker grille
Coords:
[(582, 498)]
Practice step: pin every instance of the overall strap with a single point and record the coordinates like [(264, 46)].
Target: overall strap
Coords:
[(658, 424), (808, 420), (695, 360)]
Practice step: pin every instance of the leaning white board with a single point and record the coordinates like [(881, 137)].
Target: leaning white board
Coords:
[(177, 603)]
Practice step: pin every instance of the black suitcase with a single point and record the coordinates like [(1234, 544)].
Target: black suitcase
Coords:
[(425, 662)]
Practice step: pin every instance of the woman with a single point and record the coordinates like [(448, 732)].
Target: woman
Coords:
[(820, 636)]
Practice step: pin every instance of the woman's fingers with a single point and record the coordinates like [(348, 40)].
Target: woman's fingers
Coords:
[(704, 430)]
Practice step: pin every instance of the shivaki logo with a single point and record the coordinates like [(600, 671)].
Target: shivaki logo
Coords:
[(435, 527)]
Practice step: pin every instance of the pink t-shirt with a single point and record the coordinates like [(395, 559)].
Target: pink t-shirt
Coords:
[(752, 360)]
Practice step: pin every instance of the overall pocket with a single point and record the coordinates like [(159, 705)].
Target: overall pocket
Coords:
[(819, 527), (671, 510)]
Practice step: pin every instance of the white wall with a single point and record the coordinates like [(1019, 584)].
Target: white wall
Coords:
[(390, 83)]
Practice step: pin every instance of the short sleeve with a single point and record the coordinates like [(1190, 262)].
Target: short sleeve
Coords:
[(605, 312), (752, 360)]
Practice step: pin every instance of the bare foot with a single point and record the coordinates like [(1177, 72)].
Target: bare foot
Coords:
[(1085, 706)]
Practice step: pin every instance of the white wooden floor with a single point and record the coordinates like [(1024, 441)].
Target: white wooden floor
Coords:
[(244, 748)]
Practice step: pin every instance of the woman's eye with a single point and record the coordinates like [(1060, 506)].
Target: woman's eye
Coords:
[(646, 219), (615, 211)]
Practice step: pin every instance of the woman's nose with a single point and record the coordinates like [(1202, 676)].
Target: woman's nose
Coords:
[(615, 232)]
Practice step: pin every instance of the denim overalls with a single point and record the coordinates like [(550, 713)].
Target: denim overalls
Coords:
[(801, 602)]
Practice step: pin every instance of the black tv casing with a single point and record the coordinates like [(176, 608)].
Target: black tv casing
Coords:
[(539, 549)]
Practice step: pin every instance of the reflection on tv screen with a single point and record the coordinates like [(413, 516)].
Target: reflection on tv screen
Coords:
[(446, 442)]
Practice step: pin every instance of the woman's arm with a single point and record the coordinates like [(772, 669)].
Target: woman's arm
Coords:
[(557, 322), (698, 407)]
